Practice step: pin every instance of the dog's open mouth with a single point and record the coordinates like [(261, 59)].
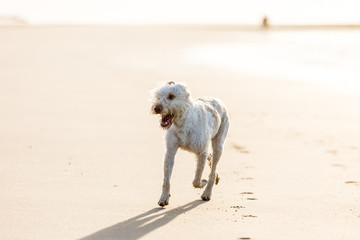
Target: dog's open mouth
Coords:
[(166, 120)]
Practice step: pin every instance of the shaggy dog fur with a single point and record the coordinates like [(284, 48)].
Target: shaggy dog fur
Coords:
[(190, 124)]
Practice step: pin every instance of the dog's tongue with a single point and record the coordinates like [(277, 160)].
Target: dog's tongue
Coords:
[(166, 120)]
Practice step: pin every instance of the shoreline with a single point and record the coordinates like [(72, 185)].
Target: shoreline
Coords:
[(198, 27)]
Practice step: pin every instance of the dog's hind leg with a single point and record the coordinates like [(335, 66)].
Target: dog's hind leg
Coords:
[(201, 159), (217, 145), (217, 178)]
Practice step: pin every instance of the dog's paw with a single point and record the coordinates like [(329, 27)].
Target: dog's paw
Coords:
[(199, 184), (206, 197), (164, 200), (163, 203)]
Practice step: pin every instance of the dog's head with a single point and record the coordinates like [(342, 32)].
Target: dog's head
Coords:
[(169, 101)]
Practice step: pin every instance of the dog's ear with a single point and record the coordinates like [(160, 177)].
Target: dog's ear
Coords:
[(185, 88), (171, 83)]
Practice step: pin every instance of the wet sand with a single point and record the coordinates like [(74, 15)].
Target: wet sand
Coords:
[(81, 156)]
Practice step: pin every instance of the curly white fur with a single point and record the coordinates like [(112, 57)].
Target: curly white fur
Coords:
[(192, 124)]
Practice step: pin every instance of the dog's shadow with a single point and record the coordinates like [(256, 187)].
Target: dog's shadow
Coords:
[(140, 225)]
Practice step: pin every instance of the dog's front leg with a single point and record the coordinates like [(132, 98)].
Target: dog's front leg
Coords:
[(171, 149)]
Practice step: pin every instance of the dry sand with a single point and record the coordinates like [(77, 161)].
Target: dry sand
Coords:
[(81, 156)]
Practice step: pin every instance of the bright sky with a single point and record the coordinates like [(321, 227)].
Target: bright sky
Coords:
[(184, 11)]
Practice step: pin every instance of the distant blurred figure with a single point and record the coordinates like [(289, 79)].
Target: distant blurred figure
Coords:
[(265, 23)]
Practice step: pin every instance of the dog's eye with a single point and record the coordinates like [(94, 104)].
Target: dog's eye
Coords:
[(171, 96)]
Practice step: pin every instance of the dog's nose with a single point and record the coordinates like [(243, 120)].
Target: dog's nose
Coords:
[(157, 109)]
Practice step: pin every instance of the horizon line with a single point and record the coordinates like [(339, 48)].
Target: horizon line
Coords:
[(225, 26)]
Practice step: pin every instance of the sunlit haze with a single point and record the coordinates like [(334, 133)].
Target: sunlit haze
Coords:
[(185, 11)]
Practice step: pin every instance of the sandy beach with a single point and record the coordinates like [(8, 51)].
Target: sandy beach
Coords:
[(82, 157)]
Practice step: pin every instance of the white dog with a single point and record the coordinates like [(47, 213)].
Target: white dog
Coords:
[(191, 124)]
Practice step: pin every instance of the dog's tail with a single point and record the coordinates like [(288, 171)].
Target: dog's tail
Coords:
[(209, 158)]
